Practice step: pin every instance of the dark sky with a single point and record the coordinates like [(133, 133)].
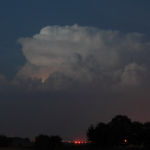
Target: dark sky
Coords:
[(68, 64)]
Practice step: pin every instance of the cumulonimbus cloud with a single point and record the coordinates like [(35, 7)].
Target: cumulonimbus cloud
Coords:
[(61, 56)]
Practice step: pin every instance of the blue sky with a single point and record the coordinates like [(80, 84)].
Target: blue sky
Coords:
[(90, 67), (26, 18)]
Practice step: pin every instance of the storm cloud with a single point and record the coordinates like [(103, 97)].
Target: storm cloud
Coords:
[(80, 57)]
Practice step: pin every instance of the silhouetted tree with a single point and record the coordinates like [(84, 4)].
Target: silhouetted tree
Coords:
[(119, 132), (17, 139), (42, 142), (112, 134), (119, 129), (146, 134), (101, 134), (9, 140), (136, 133), (4, 141), (26, 139), (91, 135), (98, 135), (55, 141), (45, 142)]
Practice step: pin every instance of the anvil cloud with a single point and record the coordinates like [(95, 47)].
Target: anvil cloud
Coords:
[(64, 56), (83, 58)]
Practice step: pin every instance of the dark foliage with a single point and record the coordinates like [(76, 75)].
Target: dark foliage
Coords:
[(17, 139), (119, 132), (45, 142), (20, 139), (26, 139), (5, 141), (56, 141)]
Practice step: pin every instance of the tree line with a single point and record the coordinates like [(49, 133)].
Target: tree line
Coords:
[(45, 142), (42, 141), (119, 132), (7, 141)]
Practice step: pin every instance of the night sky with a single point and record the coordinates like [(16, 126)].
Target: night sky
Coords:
[(67, 64)]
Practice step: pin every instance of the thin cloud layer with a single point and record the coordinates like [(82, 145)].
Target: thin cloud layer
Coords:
[(71, 57)]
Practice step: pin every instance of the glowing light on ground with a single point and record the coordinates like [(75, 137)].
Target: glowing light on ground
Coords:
[(76, 142)]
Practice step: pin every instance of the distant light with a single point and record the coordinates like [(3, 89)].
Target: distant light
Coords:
[(125, 141)]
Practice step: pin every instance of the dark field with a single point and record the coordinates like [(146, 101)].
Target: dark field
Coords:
[(72, 147), (78, 148)]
